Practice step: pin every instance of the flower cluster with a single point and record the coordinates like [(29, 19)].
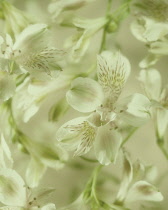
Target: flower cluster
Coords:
[(65, 105)]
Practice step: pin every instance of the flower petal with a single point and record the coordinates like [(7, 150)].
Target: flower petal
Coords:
[(7, 86), (6, 159), (12, 188), (34, 172), (113, 71), (77, 135), (107, 144), (49, 206), (152, 83), (85, 95), (142, 190), (161, 121), (135, 109)]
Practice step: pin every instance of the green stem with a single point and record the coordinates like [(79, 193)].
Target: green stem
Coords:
[(103, 42), (129, 135)]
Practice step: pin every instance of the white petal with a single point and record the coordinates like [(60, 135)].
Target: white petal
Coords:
[(148, 61), (6, 159), (12, 188), (127, 178), (28, 36), (142, 190), (113, 71), (161, 121), (135, 109), (151, 82), (159, 48), (34, 172), (49, 206), (77, 135), (11, 208), (85, 95), (7, 86), (107, 144)]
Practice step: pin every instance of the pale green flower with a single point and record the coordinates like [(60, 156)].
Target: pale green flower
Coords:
[(98, 129), (79, 42), (152, 32), (156, 9), (17, 196), (87, 95), (15, 19), (31, 52), (56, 7), (152, 84), (134, 186)]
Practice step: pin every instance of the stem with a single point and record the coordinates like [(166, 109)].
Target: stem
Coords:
[(129, 135), (103, 42)]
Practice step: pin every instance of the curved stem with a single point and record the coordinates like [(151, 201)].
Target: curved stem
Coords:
[(103, 42), (129, 135)]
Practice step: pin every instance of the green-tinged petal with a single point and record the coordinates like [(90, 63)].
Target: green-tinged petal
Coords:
[(134, 109), (151, 83), (159, 48), (6, 160), (77, 135), (28, 37), (127, 178), (148, 61), (113, 71), (148, 30), (161, 122), (7, 86), (55, 8), (12, 188), (49, 206), (85, 95), (143, 190), (34, 172), (107, 144)]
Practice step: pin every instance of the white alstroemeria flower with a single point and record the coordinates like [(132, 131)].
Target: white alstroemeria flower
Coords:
[(152, 32), (80, 135), (7, 86), (79, 42), (31, 52), (15, 19), (134, 186), (98, 130), (16, 196), (57, 7), (87, 95), (152, 84), (156, 9)]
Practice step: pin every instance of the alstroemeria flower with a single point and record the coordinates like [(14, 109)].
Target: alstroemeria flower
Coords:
[(87, 95), (152, 32), (135, 186), (16, 196), (57, 7), (79, 42), (152, 84), (156, 9), (101, 98), (31, 52)]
